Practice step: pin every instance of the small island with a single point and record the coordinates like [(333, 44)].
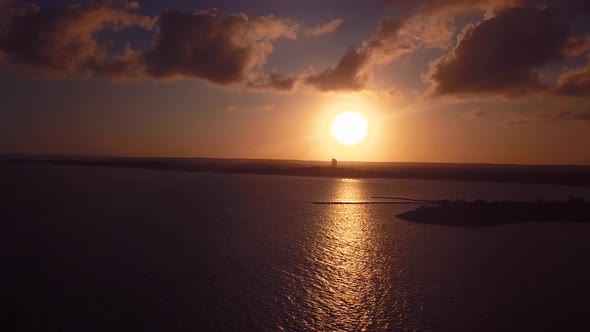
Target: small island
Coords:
[(484, 213)]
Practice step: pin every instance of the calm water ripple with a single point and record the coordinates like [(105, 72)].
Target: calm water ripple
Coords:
[(99, 249)]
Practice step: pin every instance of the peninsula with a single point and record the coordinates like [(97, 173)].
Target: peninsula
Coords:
[(484, 213)]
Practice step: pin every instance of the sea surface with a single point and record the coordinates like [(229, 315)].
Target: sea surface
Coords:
[(107, 249)]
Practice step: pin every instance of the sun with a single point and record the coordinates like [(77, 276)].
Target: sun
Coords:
[(349, 128)]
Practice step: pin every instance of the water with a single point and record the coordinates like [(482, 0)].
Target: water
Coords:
[(98, 249)]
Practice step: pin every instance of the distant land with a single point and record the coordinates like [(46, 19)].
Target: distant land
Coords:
[(578, 175), (484, 213)]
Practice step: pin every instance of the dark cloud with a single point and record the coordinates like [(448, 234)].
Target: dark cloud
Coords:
[(274, 81), (223, 50), (60, 41), (354, 68), (346, 75), (501, 55), (427, 23)]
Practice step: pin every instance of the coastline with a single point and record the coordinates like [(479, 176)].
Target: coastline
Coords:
[(484, 213), (533, 174)]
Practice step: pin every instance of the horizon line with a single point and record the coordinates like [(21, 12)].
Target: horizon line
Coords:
[(39, 155)]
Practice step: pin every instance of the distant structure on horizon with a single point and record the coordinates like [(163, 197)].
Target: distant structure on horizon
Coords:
[(334, 163)]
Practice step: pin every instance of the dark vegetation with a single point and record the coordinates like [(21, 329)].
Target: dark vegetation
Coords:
[(547, 174), (483, 213)]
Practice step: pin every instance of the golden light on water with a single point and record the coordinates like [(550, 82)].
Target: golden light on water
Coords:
[(345, 261)]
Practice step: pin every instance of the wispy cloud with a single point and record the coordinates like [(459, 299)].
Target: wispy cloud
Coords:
[(516, 122), (325, 28), (552, 116), (582, 116), (472, 114), (266, 108)]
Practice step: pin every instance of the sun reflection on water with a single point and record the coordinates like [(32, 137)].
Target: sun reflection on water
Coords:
[(345, 263)]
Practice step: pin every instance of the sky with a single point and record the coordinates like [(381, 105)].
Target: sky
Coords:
[(462, 81)]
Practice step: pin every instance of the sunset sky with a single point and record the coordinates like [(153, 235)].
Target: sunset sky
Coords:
[(485, 81)]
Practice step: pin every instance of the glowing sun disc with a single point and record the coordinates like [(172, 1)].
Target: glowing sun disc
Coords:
[(349, 128)]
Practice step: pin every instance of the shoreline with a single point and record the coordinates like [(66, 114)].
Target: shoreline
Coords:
[(484, 213), (551, 175)]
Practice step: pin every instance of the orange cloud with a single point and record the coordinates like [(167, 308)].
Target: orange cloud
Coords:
[(574, 83)]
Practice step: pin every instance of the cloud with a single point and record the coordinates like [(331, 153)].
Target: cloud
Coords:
[(266, 108), (574, 83), (323, 29), (582, 116), (131, 4), (60, 41), (488, 60), (473, 114), (223, 50), (577, 45), (354, 69), (438, 7), (429, 24), (516, 122), (67, 40), (346, 75), (274, 81)]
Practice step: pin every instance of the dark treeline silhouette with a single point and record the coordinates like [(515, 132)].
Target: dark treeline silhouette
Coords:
[(547, 174), (484, 213)]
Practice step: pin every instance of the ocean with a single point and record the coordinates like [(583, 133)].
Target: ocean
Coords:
[(109, 249)]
